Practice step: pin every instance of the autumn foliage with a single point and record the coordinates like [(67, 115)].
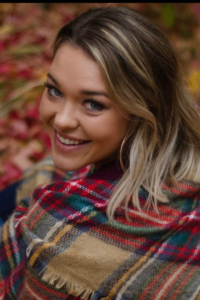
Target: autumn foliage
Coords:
[(27, 31)]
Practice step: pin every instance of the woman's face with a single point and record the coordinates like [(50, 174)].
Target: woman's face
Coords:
[(84, 124)]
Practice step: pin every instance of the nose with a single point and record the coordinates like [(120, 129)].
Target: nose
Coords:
[(66, 116)]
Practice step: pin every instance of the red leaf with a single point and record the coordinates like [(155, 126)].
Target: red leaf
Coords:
[(10, 174), (18, 129)]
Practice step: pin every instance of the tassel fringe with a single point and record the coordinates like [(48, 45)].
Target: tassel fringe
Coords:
[(72, 289)]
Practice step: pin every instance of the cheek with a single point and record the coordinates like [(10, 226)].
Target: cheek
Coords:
[(110, 132), (118, 126)]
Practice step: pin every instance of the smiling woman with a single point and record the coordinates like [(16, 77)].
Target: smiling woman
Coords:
[(74, 104), (123, 127)]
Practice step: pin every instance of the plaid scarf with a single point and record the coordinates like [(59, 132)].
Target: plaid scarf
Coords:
[(45, 172), (60, 245)]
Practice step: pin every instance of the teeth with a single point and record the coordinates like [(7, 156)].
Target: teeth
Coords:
[(68, 142)]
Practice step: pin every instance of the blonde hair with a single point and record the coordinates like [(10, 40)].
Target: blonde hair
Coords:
[(143, 78)]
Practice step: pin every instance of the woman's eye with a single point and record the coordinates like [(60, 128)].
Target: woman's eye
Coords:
[(53, 91), (93, 105)]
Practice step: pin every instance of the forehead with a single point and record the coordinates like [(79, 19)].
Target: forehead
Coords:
[(73, 63)]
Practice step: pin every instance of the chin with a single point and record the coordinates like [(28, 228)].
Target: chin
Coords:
[(66, 167)]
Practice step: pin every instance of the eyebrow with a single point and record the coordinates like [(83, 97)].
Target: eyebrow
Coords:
[(93, 93), (83, 92), (53, 79)]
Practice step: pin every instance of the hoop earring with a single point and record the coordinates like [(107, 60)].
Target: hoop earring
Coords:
[(120, 154)]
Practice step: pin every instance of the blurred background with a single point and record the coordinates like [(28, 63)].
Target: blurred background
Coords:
[(27, 31)]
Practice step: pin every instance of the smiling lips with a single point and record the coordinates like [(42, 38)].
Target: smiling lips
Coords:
[(67, 141)]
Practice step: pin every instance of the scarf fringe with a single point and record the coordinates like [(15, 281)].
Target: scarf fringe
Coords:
[(72, 289)]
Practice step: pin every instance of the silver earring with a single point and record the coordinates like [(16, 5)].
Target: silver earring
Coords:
[(121, 154)]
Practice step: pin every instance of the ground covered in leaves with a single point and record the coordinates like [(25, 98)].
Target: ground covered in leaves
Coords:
[(27, 31)]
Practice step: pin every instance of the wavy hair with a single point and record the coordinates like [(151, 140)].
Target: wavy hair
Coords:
[(143, 78)]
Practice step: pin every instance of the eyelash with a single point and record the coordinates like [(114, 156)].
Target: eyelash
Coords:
[(99, 106), (51, 87)]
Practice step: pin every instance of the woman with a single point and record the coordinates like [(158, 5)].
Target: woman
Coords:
[(113, 100)]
